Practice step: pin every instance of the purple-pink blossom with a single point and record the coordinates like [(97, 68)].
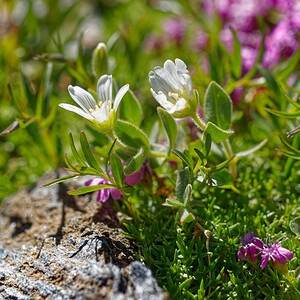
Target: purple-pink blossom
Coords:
[(250, 247), (276, 254), (175, 29), (104, 194)]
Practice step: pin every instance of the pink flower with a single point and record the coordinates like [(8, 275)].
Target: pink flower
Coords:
[(277, 255), (104, 194), (250, 244)]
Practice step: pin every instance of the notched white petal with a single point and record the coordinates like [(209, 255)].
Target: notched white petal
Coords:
[(76, 110), (120, 95), (83, 98), (104, 88)]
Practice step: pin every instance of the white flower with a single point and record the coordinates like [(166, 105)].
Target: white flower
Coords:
[(172, 88), (103, 113)]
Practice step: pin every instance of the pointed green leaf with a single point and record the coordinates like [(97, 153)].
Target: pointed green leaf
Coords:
[(217, 134), (217, 106), (270, 80), (207, 145), (88, 153), (187, 194), (201, 156), (70, 166), (186, 159), (288, 99), (172, 203), (59, 180), (169, 124), (236, 59), (92, 188), (135, 163), (181, 183), (290, 147), (284, 114), (130, 109), (295, 226), (290, 154), (11, 128), (30, 97), (117, 169), (74, 151), (252, 150), (185, 216), (224, 164), (131, 135)]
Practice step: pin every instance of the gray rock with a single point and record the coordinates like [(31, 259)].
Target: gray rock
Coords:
[(55, 246)]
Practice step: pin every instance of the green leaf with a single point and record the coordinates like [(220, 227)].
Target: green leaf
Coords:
[(70, 166), (290, 154), (88, 153), (284, 114), (217, 106), (290, 147), (252, 150), (130, 109), (185, 215), (224, 164), (295, 226), (223, 177), (288, 99), (92, 188), (217, 134), (187, 194), (207, 145), (131, 135), (30, 97), (201, 156), (117, 169), (74, 151), (172, 203), (135, 163), (169, 124), (59, 180), (236, 59), (186, 159), (270, 80), (181, 183)]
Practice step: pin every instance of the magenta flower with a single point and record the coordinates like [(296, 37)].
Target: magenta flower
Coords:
[(250, 245), (104, 194), (175, 29), (277, 254)]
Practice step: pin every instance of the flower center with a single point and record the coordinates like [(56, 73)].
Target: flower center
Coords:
[(99, 106)]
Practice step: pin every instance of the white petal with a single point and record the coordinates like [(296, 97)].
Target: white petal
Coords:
[(162, 100), (180, 105), (159, 82), (76, 110), (188, 82), (104, 88), (181, 66), (101, 115), (83, 98), (171, 75), (120, 95)]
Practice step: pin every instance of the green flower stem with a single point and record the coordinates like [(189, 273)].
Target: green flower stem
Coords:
[(229, 153), (198, 121), (158, 154)]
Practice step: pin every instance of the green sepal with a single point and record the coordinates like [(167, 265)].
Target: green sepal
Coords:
[(92, 188), (217, 106), (130, 109), (169, 124), (217, 134), (117, 169), (135, 163)]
